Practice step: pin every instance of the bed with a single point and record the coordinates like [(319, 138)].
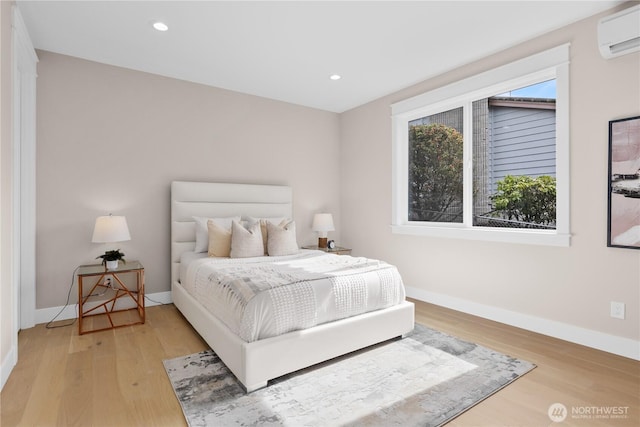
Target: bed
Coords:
[(255, 362)]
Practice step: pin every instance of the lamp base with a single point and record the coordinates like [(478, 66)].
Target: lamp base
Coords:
[(322, 242)]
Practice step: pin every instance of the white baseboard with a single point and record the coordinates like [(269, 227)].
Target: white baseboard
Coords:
[(45, 315), (610, 343), (8, 363)]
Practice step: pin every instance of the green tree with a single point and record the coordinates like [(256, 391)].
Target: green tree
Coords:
[(526, 199), (435, 172)]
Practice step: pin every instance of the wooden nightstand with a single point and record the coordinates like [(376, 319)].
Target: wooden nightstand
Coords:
[(123, 307), (338, 250)]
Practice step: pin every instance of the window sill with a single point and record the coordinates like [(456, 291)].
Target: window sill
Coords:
[(489, 234)]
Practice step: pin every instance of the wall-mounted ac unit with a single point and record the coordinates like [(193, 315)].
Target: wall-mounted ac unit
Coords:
[(619, 34)]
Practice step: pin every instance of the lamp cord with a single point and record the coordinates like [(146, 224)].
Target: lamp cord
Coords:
[(155, 302), (48, 325)]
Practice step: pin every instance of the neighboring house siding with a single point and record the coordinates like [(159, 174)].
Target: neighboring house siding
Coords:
[(523, 142)]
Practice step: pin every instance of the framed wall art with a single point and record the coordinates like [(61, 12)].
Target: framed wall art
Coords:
[(624, 183)]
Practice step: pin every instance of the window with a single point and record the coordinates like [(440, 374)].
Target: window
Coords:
[(487, 157)]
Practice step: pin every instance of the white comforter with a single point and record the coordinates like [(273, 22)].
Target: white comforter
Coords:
[(267, 296)]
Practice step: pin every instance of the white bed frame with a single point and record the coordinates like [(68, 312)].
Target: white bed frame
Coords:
[(255, 363)]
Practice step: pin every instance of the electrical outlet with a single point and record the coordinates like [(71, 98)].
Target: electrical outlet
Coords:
[(617, 310), (107, 282)]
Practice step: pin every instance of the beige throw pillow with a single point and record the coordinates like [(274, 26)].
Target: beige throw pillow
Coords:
[(219, 239), (246, 242), (281, 238), (202, 233)]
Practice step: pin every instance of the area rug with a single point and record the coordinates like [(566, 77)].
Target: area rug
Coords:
[(424, 379)]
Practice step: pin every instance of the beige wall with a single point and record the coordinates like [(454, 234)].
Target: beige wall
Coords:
[(571, 285), (111, 140), (6, 155)]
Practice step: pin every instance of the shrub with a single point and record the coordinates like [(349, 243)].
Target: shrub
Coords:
[(526, 199), (435, 171)]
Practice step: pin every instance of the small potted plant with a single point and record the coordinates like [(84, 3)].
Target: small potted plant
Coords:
[(110, 259)]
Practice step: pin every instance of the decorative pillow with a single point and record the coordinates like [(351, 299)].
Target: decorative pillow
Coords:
[(202, 234), (281, 238), (263, 226), (246, 242), (219, 239)]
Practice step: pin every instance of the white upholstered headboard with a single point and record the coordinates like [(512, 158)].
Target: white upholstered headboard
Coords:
[(207, 199)]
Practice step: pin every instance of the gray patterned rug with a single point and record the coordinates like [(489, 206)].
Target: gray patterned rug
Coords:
[(424, 379)]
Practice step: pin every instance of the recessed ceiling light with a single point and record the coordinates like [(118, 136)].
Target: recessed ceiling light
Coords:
[(160, 26), (335, 76)]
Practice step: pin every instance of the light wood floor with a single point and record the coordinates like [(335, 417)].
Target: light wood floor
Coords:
[(116, 378)]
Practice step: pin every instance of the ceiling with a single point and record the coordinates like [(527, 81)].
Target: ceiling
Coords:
[(287, 50)]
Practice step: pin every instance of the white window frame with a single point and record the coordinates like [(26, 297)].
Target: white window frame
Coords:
[(547, 65)]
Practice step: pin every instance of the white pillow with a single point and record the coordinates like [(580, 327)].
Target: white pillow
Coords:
[(281, 238), (246, 242), (202, 234)]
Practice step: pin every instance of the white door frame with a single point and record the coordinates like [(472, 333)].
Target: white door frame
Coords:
[(24, 173)]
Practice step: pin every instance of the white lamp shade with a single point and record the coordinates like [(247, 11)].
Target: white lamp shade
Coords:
[(110, 229), (322, 222)]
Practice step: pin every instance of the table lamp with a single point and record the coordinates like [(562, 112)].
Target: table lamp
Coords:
[(322, 222), (111, 229)]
